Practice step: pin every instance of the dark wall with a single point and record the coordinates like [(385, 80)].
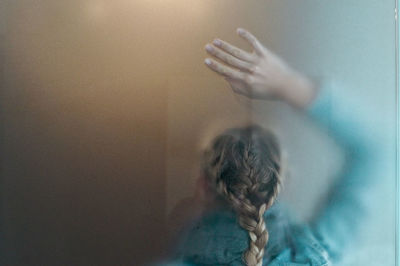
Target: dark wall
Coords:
[(82, 145)]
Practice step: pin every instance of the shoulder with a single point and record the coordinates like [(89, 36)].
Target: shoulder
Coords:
[(214, 238), (292, 242), (217, 238), (304, 249)]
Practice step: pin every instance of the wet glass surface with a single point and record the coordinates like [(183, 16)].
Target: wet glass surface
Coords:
[(106, 108)]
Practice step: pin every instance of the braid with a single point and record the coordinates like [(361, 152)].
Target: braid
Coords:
[(245, 171)]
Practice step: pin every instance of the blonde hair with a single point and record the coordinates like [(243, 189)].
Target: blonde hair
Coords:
[(243, 167)]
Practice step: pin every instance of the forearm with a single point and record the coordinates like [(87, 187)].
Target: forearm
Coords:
[(344, 117)]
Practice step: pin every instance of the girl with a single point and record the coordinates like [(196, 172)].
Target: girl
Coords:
[(240, 224)]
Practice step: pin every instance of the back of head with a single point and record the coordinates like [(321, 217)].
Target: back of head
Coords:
[(242, 166)]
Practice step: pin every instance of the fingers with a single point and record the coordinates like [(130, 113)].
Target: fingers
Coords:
[(258, 47), (233, 50), (228, 59), (224, 70)]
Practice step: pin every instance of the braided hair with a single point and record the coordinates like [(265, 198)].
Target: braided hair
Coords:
[(242, 166)]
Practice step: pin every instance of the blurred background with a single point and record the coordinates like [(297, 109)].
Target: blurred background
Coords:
[(106, 105)]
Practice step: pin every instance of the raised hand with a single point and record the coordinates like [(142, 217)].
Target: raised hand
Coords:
[(260, 74)]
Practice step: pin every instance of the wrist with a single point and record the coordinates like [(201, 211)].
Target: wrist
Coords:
[(299, 91)]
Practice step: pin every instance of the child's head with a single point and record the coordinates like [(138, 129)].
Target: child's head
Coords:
[(243, 166)]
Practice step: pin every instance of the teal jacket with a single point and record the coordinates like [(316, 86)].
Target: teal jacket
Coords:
[(217, 239)]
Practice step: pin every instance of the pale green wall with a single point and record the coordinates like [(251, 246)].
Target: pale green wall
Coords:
[(354, 42)]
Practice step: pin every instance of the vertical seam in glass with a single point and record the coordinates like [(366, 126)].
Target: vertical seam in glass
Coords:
[(397, 212)]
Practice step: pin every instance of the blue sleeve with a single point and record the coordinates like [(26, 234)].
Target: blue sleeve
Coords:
[(345, 118)]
